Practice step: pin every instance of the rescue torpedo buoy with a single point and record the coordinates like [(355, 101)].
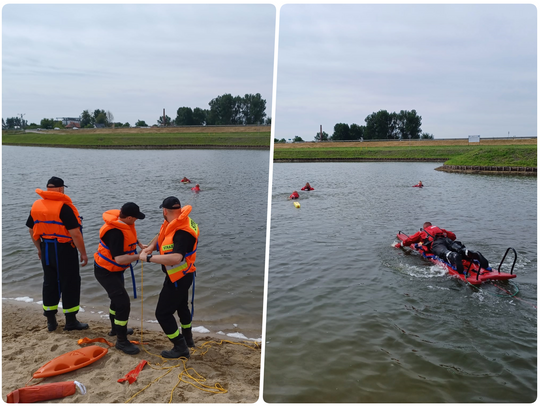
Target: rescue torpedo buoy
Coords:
[(43, 392), (71, 361), (296, 204)]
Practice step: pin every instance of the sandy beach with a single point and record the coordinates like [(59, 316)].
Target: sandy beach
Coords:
[(219, 370)]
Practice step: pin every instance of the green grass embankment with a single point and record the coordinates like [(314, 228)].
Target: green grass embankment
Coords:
[(144, 139), (476, 155), (500, 156)]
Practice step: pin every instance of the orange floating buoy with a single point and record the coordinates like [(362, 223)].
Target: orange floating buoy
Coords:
[(71, 361), (43, 392)]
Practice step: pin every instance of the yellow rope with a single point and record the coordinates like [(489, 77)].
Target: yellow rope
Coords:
[(197, 379), (206, 346), (152, 382)]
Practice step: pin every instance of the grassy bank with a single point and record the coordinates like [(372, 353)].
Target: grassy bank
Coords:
[(245, 136), (511, 156), (483, 155)]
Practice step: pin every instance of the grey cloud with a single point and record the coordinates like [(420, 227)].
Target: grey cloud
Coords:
[(158, 55), (473, 63)]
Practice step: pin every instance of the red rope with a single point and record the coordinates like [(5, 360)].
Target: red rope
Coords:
[(509, 293)]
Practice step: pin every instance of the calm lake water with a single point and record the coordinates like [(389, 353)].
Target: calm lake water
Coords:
[(352, 319), (231, 211)]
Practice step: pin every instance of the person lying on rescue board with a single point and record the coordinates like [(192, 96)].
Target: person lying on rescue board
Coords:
[(443, 244)]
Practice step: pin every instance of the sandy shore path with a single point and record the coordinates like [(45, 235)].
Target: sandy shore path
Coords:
[(219, 370)]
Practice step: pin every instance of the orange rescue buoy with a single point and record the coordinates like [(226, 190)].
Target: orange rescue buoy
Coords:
[(71, 361), (43, 392)]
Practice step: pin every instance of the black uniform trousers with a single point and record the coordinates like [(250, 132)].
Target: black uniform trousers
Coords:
[(113, 283), (61, 278), (443, 245), (173, 298)]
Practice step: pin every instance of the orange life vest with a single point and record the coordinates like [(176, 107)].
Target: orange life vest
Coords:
[(103, 257), (46, 215), (166, 244)]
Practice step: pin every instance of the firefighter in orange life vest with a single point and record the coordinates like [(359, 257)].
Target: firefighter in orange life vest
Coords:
[(443, 244), (117, 249), (177, 245), (55, 227)]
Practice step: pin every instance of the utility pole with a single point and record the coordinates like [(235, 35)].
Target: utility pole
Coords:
[(164, 122)]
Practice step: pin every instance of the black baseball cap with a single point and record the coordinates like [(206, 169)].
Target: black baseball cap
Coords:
[(55, 182), (131, 209), (171, 202)]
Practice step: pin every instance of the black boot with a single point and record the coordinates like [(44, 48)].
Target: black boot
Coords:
[(455, 260), (72, 323), (113, 327), (122, 342), (51, 322), (188, 336), (478, 256), (180, 349)]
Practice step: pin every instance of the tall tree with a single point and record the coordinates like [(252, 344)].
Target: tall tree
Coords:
[(47, 123), (86, 119), (378, 125), (341, 132), (12, 122), (238, 108), (199, 116), (409, 124), (110, 117), (103, 114), (168, 121), (184, 116), (253, 109), (356, 132), (222, 110), (324, 136), (141, 123), (101, 118)]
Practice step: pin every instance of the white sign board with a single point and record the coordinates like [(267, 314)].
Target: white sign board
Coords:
[(474, 139)]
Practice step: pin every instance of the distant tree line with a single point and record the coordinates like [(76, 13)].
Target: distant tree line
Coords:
[(224, 110), (14, 123), (380, 125), (99, 118), (297, 139)]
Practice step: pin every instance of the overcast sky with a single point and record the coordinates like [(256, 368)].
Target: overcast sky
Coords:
[(133, 60), (466, 69)]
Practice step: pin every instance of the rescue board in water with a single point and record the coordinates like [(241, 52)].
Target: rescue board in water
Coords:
[(474, 274)]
